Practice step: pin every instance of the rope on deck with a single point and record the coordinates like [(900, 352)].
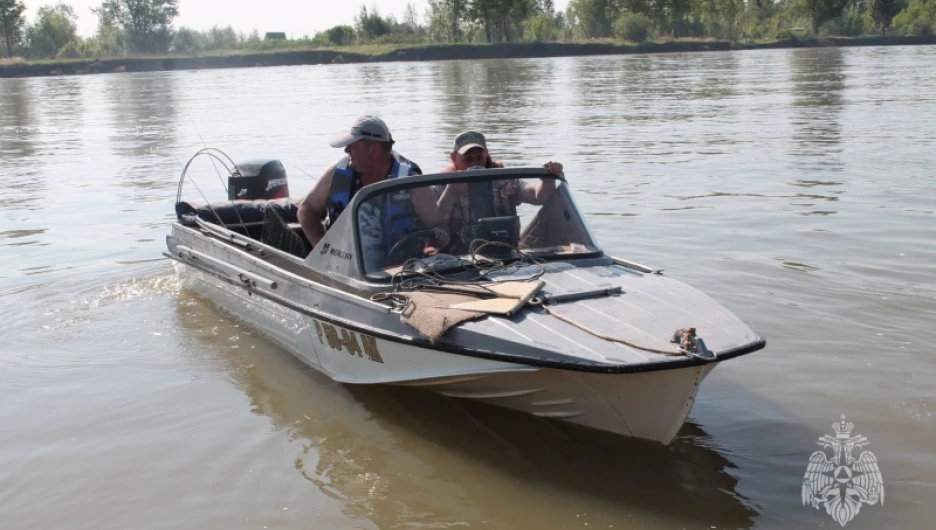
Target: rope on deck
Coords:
[(688, 344)]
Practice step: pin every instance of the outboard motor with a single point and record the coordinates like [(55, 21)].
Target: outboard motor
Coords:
[(259, 179)]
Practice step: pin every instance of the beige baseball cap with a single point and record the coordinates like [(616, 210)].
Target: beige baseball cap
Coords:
[(467, 141)]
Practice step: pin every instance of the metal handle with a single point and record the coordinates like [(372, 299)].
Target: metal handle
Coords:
[(583, 294), (241, 274)]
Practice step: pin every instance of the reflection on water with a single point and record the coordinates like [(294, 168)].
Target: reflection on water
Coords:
[(451, 81), (505, 89), (805, 183), (20, 238), (22, 185), (719, 80), (598, 87), (817, 81), (143, 132), (379, 449), (495, 98), (371, 75), (144, 121), (652, 103), (634, 83), (817, 77), (63, 114), (17, 118)]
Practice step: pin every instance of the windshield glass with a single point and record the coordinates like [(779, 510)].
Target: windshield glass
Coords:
[(492, 218)]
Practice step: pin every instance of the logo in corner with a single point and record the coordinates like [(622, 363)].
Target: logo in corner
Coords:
[(325, 248), (273, 183), (837, 480)]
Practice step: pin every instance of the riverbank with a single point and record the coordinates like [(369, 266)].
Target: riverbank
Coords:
[(365, 54)]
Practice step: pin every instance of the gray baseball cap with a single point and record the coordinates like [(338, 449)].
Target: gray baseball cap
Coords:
[(364, 128), (467, 141)]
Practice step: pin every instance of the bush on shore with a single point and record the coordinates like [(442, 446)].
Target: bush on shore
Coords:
[(634, 27)]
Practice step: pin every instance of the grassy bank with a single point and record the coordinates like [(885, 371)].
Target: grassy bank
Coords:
[(387, 53)]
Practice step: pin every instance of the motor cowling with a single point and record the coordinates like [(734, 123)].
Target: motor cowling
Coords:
[(258, 179)]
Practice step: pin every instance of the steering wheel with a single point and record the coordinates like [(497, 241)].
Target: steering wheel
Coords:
[(407, 247)]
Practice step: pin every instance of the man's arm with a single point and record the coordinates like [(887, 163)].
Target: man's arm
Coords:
[(450, 196), (425, 205), (543, 190), (430, 214), (313, 206)]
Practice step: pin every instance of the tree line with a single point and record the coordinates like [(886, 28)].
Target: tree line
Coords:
[(127, 27)]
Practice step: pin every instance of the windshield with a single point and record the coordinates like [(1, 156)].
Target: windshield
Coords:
[(492, 218)]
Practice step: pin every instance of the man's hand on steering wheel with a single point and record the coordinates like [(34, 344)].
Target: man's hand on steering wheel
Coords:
[(440, 240), (423, 242)]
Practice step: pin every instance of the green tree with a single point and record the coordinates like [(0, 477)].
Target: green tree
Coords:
[(883, 12), (672, 16), (253, 38), (223, 38), (444, 20), (919, 18), (370, 25), (147, 24), (411, 20), (593, 18), (708, 13), (340, 35), (659, 13), (749, 24), (188, 41), (540, 28), (849, 23), (820, 11), (55, 26), (502, 20), (731, 11), (547, 7), (12, 22), (109, 40), (459, 12), (437, 23), (634, 27), (79, 49)]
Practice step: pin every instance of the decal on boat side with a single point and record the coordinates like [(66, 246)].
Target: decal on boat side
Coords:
[(340, 339), (273, 183), (328, 249)]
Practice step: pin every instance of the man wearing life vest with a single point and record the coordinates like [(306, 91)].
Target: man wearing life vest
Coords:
[(462, 206), (369, 158)]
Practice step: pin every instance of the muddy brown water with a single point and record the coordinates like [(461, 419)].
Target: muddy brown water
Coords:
[(795, 186)]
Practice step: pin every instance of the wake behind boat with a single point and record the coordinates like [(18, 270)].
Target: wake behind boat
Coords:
[(518, 306)]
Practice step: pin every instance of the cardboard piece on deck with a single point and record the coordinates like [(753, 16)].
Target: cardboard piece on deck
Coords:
[(513, 296)]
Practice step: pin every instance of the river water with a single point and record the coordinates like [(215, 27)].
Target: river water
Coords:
[(796, 187)]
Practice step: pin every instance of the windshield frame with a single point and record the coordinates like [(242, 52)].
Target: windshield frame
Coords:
[(478, 175)]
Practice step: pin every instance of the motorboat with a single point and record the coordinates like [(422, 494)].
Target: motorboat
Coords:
[(509, 300)]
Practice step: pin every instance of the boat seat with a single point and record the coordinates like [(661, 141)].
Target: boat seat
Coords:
[(238, 214), (283, 236)]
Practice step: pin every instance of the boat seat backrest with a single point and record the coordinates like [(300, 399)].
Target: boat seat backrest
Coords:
[(234, 214)]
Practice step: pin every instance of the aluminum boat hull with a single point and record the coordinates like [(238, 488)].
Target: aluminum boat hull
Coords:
[(354, 340)]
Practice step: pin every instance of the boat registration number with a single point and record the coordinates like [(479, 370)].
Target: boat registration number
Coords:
[(340, 339)]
